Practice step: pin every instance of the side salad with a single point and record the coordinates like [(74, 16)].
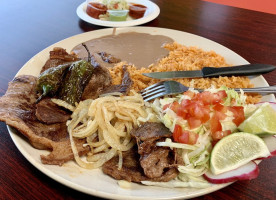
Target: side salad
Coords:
[(202, 122)]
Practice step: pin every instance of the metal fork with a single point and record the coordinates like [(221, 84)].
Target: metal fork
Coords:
[(173, 87)]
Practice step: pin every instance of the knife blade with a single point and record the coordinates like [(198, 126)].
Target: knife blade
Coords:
[(240, 70)]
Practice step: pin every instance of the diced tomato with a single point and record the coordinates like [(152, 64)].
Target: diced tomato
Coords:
[(220, 134), (184, 136), (193, 122), (177, 132), (205, 97), (215, 124), (189, 93), (175, 106), (219, 107), (182, 113), (202, 113), (220, 95), (166, 106), (191, 108), (209, 98), (195, 110), (220, 115), (238, 112), (185, 102)]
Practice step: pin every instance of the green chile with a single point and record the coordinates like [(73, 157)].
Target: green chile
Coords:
[(49, 81), (75, 80)]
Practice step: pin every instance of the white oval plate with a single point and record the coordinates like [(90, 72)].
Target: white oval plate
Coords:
[(94, 182), (151, 13)]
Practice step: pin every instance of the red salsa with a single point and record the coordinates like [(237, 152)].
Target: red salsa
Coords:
[(95, 9), (137, 10)]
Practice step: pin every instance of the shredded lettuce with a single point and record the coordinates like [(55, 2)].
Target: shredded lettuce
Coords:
[(233, 95), (195, 157)]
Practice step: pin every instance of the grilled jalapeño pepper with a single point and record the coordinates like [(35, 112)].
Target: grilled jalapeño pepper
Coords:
[(76, 79), (49, 81)]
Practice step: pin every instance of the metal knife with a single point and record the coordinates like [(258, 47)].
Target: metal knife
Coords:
[(240, 70)]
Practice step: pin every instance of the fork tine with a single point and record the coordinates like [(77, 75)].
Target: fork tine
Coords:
[(154, 85), (147, 94), (155, 96), (153, 89)]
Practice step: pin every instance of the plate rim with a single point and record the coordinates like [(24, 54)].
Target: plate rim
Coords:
[(85, 17), (72, 185)]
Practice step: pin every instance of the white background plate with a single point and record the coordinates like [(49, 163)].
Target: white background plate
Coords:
[(94, 182), (151, 13)]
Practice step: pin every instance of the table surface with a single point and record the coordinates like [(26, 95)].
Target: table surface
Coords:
[(27, 27)]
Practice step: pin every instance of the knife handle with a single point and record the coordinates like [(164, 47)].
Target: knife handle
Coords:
[(241, 70)]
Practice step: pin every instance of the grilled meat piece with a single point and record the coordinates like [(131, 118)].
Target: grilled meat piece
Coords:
[(155, 161), (50, 113), (18, 108), (131, 170), (100, 80), (148, 134), (58, 56), (151, 162)]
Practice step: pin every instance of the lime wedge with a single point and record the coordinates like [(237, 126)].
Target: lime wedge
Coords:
[(236, 150), (262, 121)]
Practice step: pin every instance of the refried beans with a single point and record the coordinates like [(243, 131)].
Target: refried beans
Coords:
[(139, 49)]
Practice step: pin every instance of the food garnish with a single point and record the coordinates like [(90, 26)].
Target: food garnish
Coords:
[(245, 172), (262, 121), (235, 150)]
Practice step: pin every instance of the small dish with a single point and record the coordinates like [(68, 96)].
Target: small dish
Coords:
[(151, 13), (137, 10), (94, 9), (117, 15)]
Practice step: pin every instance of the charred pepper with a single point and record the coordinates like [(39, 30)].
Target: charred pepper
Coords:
[(76, 79), (50, 80)]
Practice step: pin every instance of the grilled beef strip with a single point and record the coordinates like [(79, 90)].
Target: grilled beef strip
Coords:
[(155, 161), (145, 161), (17, 109), (131, 170), (50, 113), (100, 80), (58, 56)]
